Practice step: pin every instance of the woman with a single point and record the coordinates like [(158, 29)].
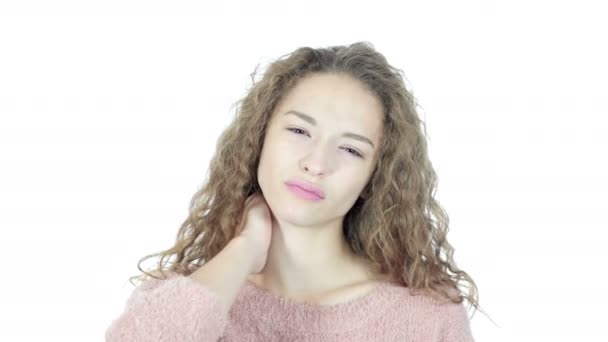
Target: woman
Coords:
[(316, 221)]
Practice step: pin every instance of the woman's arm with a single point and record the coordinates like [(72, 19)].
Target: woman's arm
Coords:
[(185, 308), (226, 273)]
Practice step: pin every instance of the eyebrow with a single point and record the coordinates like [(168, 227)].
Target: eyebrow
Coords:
[(313, 122)]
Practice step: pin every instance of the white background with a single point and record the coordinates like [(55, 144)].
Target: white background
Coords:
[(110, 111)]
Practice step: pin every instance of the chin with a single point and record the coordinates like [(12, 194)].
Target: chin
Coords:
[(297, 214)]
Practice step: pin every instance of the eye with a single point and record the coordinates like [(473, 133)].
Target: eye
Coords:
[(350, 150), (354, 152), (296, 129)]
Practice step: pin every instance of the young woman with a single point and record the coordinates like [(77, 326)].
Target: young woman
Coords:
[(317, 221)]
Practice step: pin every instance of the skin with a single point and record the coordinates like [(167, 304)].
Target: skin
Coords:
[(308, 258)]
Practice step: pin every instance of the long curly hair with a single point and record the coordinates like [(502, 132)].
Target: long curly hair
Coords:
[(395, 223)]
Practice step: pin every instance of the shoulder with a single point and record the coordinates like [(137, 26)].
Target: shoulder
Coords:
[(454, 322), (442, 320), (422, 303)]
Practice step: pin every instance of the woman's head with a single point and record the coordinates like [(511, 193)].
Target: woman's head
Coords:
[(325, 132), (386, 197)]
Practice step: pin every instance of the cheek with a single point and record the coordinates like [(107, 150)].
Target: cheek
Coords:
[(265, 163), (355, 187), (272, 161)]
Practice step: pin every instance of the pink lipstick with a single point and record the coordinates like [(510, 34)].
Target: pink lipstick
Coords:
[(305, 191)]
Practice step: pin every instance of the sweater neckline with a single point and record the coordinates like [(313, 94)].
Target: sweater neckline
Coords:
[(274, 312)]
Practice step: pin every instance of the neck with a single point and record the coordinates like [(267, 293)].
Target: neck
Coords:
[(304, 260)]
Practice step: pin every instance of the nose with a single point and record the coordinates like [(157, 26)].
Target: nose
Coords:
[(317, 162)]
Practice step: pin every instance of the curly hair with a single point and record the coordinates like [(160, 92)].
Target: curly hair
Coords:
[(395, 223)]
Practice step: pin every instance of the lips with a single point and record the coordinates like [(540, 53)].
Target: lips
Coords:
[(307, 187)]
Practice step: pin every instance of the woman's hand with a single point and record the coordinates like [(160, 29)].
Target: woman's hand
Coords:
[(255, 229)]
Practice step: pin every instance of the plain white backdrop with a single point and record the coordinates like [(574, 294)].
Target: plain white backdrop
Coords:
[(110, 111)]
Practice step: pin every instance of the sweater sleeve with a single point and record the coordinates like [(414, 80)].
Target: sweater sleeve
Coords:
[(455, 324), (173, 309)]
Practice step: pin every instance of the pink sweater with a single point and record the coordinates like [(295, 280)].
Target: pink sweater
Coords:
[(180, 309)]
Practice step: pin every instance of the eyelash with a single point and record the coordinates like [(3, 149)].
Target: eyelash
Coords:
[(356, 154)]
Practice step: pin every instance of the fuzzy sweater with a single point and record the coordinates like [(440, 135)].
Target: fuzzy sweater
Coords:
[(180, 309)]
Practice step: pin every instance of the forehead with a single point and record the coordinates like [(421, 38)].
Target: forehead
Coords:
[(334, 99)]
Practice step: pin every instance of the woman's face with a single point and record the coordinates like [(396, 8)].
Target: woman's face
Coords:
[(326, 132)]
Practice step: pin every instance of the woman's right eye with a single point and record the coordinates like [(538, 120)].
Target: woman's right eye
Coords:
[(295, 130)]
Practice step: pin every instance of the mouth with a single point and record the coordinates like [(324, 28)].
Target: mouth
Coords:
[(304, 194), (309, 187)]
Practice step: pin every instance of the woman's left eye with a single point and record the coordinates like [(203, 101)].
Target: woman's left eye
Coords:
[(354, 152), (350, 150)]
